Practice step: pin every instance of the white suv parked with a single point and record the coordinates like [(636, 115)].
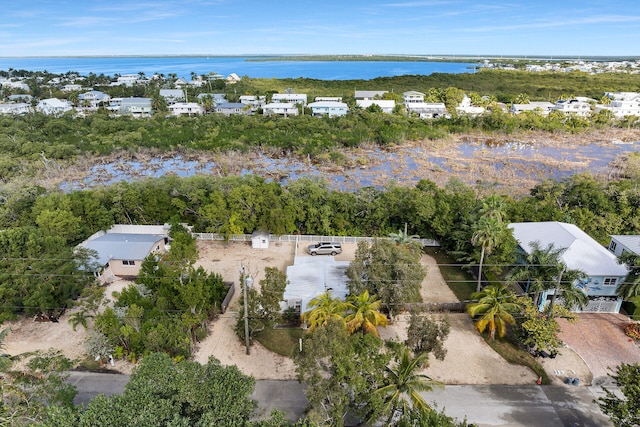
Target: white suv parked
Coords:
[(325, 248)]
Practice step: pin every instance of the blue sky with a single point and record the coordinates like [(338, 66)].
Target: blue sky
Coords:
[(238, 27)]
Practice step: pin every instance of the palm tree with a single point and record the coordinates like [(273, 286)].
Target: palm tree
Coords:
[(324, 308), (487, 234), (630, 288), (495, 305), (79, 318), (572, 295), (364, 314), (404, 384), (541, 269)]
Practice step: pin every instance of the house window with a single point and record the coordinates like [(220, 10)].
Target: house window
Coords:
[(610, 281), (612, 246), (128, 262)]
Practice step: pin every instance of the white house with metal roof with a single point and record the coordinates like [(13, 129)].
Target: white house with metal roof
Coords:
[(387, 105), (328, 108), (310, 277), (604, 273), (624, 244)]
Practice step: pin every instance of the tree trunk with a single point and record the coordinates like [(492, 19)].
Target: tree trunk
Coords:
[(480, 270)]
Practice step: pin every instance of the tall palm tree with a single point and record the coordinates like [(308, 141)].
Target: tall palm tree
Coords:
[(404, 384), (364, 314), (324, 308), (494, 305), (487, 235), (541, 269), (572, 295)]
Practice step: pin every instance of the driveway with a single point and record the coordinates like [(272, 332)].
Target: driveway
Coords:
[(600, 340)]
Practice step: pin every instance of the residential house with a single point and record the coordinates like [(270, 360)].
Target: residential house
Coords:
[(94, 98), (427, 110), (281, 109), (136, 107), (465, 107), (368, 95), (328, 99), (604, 273), (172, 95), (622, 104), (20, 97), (293, 98), (217, 98), (231, 108), (579, 106), (328, 108), (53, 106), (15, 108), (121, 250), (624, 244), (387, 105), (127, 80), (310, 277), (412, 97), (186, 108), (232, 79), (253, 101), (71, 88), (12, 84), (544, 108)]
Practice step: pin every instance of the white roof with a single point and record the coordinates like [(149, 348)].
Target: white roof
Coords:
[(311, 276), (631, 242), (383, 103), (327, 104), (583, 252)]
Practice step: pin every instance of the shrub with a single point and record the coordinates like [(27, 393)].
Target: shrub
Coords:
[(633, 330)]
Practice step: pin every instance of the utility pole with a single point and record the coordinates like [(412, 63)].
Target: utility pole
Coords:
[(248, 281)]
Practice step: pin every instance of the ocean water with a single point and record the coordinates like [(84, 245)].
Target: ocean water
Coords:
[(183, 67)]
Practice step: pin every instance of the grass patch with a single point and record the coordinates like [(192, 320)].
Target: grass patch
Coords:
[(283, 341), (460, 281), (514, 354)]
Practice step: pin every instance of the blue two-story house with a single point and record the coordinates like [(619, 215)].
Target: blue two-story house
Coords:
[(604, 273)]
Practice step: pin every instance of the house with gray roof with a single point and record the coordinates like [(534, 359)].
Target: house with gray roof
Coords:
[(231, 108), (121, 252), (369, 94), (328, 108), (15, 108), (172, 95), (53, 106), (624, 244), (311, 276), (604, 273)]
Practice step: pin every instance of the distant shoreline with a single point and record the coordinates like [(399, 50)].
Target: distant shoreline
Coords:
[(355, 57)]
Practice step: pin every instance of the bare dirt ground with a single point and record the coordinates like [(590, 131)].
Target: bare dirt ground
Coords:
[(469, 359)]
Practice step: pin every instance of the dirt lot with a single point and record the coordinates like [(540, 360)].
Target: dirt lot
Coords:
[(469, 360)]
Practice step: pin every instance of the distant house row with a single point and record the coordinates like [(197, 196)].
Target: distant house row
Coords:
[(621, 104)]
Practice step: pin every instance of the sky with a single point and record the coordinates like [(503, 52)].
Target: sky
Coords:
[(250, 27)]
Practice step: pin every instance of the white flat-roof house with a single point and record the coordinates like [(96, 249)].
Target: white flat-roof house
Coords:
[(465, 107), (280, 109), (186, 109), (71, 88), (329, 108), (292, 98), (544, 108), (53, 106), (15, 108), (604, 273), (622, 104), (126, 80), (253, 101), (387, 105)]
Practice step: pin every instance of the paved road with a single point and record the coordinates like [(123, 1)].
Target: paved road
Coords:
[(486, 405)]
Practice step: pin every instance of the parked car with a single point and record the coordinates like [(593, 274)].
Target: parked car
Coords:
[(325, 248)]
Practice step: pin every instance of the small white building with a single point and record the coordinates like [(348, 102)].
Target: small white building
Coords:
[(232, 108), (253, 101), (260, 240), (413, 97), (427, 110), (622, 104), (465, 107), (578, 106), (135, 107)]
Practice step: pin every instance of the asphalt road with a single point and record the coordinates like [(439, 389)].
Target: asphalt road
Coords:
[(485, 405)]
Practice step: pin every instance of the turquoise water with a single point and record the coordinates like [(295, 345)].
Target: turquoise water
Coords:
[(184, 66)]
